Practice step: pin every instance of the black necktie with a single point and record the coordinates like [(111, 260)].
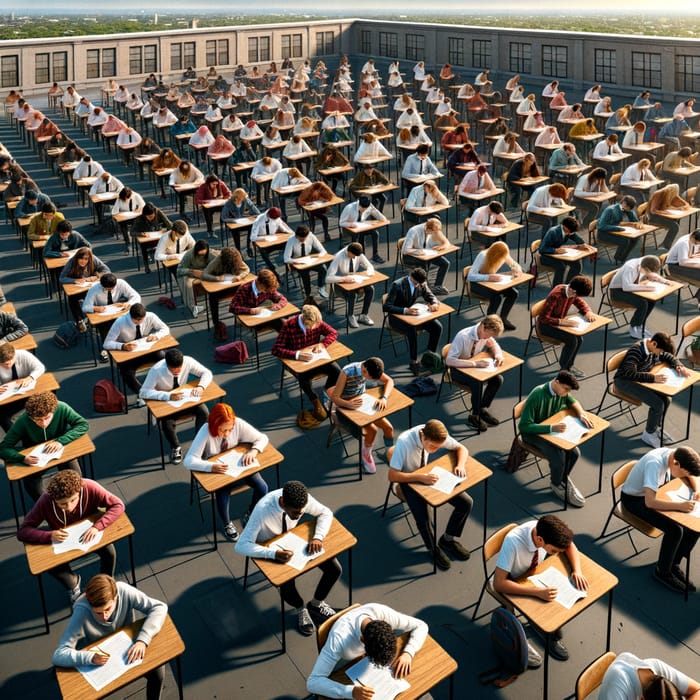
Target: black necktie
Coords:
[(303, 249), (176, 382), (421, 167), (267, 228), (352, 265), (177, 246), (14, 372), (284, 522), (422, 457), (110, 299), (138, 333)]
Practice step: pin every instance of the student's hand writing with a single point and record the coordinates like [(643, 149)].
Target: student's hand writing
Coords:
[(494, 278), (122, 305), (197, 391), (151, 338), (348, 279), (51, 447), (59, 535), (315, 546), (4, 388), (659, 378), (98, 309), (380, 403), (249, 457), (579, 580), (354, 402), (89, 535), (176, 395), (412, 312), (480, 363), (362, 692), (319, 347), (25, 381), (461, 472), (218, 468), (428, 479), (306, 356), (589, 317), (402, 665), (682, 371), (136, 652), (559, 427), (31, 460), (546, 594), (685, 506), (129, 346), (99, 659), (498, 361), (587, 422), (255, 311), (283, 555), (434, 307)]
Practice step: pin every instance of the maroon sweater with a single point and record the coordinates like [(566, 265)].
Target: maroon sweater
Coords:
[(92, 497)]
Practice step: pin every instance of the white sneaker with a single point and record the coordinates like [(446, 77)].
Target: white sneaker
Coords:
[(574, 496), (636, 332), (534, 658), (352, 321), (667, 437), (365, 320), (74, 592), (322, 292), (140, 403), (648, 333), (651, 439), (196, 310)]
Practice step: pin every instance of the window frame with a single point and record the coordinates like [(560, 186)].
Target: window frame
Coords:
[(554, 66), (648, 76)]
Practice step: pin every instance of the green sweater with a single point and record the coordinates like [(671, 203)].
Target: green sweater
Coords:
[(66, 426), (540, 405)]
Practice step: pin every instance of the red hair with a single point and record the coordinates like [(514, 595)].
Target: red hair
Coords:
[(221, 413)]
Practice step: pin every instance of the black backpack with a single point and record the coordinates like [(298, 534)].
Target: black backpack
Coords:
[(510, 644), (66, 336)]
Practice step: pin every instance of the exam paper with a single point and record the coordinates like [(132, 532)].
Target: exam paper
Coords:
[(683, 494), (446, 480), (143, 344), (380, 679), (322, 355), (45, 457), (235, 466), (117, 646), (75, 532), (575, 430), (567, 593), (110, 310), (672, 377), (580, 322), (423, 309), (14, 389), (264, 313), (368, 406), (304, 260), (187, 398), (296, 544)]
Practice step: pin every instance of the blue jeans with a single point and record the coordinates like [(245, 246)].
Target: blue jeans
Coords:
[(223, 496), (657, 403)]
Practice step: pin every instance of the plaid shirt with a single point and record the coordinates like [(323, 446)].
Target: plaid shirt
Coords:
[(557, 305), (292, 338), (245, 299)]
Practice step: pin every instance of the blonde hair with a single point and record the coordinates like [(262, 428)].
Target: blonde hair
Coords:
[(493, 323), (496, 254), (310, 315)]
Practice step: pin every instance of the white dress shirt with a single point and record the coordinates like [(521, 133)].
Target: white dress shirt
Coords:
[(340, 266), (159, 381), (123, 330), (26, 365), (97, 296)]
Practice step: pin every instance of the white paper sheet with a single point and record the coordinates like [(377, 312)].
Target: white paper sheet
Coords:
[(672, 377), (235, 465), (683, 494), (45, 457), (322, 355), (75, 532), (567, 593), (187, 398), (305, 260), (368, 406), (110, 310), (446, 480), (13, 389), (575, 430), (581, 323), (117, 646), (569, 252), (143, 344), (381, 680), (295, 544), (423, 309), (264, 313)]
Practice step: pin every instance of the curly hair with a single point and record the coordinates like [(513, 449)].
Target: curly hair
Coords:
[(380, 642), (64, 484), (295, 494), (554, 531), (41, 405)]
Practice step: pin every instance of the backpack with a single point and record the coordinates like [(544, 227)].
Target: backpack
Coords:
[(516, 456), (420, 386), (235, 353), (432, 362), (220, 331), (510, 645), (306, 420), (66, 336), (106, 397)]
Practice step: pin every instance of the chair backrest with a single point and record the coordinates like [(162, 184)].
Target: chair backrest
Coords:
[(536, 309), (662, 258), (619, 476), (657, 167), (517, 412), (642, 209), (443, 354), (606, 279), (569, 194), (592, 676), (615, 361), (325, 627), (493, 544), (535, 245), (593, 232), (690, 327), (615, 181), (389, 454), (689, 194)]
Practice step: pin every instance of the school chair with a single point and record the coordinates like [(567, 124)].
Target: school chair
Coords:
[(688, 330), (619, 476), (396, 490), (463, 389), (491, 549), (547, 343), (474, 298), (537, 265), (536, 454), (617, 308), (600, 245), (592, 676), (625, 401), (324, 629)]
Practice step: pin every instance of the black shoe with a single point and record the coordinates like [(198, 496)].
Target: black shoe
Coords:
[(454, 549), (440, 291), (508, 325), (417, 369), (669, 580), (489, 418), (441, 560), (476, 422), (558, 650), (680, 575), (148, 270)]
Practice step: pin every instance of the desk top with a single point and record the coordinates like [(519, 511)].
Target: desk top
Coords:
[(677, 213), (367, 280), (552, 211), (313, 206), (397, 401), (670, 286), (338, 540), (315, 259), (630, 231), (78, 448), (26, 342), (667, 389), (599, 425), (96, 319), (46, 382), (218, 287), (336, 350), (280, 239), (598, 322), (685, 519), (368, 225), (164, 647), (512, 281), (162, 409), (483, 375), (240, 223), (256, 321), (443, 310), (120, 356)]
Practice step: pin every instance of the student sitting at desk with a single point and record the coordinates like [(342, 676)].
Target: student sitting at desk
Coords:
[(18, 368), (302, 244), (151, 220), (317, 192), (542, 403), (258, 294), (346, 263), (106, 607), (610, 222), (30, 204), (636, 367), (211, 189), (684, 259), (369, 630), (12, 327), (563, 158), (127, 202), (523, 548), (278, 512), (423, 196), (69, 499), (228, 263), (427, 237), (43, 224), (64, 240), (418, 164), (189, 271), (223, 431), (665, 201), (651, 472), (557, 241), (84, 266)]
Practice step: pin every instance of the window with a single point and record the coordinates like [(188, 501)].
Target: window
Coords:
[(217, 52), (646, 70), (135, 60), (366, 41), (252, 49), (455, 51), (258, 49), (481, 53), (175, 56), (9, 71), (325, 43), (150, 58), (60, 66), (415, 47), (41, 68), (182, 56), (555, 61), (520, 57), (189, 56), (688, 74), (92, 69), (605, 66), (388, 44), (291, 45)]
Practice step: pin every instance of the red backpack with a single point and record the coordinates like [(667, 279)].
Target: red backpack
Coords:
[(235, 353), (106, 398)]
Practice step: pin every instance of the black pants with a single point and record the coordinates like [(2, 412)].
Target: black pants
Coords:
[(367, 294), (168, 425), (332, 372), (483, 393), (625, 245), (108, 563), (561, 461), (305, 276), (508, 296), (571, 344), (564, 270), (128, 370), (442, 264), (433, 327), (642, 307), (677, 541), (331, 573)]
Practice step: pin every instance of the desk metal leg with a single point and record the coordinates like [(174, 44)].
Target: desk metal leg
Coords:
[(14, 501), (452, 686), (609, 631), (350, 577), (690, 410), (43, 602), (179, 677), (486, 506), (600, 471), (284, 626), (359, 454), (213, 526), (160, 439), (545, 688), (605, 345), (277, 474), (131, 560), (687, 577), (435, 544)]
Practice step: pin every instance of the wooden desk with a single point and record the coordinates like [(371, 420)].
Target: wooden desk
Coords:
[(46, 382), (245, 223), (257, 324), (496, 232), (476, 473), (161, 410), (483, 375), (367, 281), (671, 391), (26, 342), (272, 242), (357, 229), (600, 425), (596, 324), (337, 541), (211, 483), (396, 402), (550, 616), (216, 291), (164, 647), (578, 254), (41, 558), (669, 287), (426, 255), (380, 189), (416, 321), (511, 281), (431, 665)]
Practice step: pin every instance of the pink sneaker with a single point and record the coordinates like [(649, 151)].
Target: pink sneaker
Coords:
[(368, 461)]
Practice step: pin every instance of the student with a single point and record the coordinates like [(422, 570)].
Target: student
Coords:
[(84, 266), (419, 164), (630, 678), (12, 327), (543, 402), (403, 294), (347, 393), (211, 189), (360, 211), (278, 512), (69, 499), (125, 331), (175, 243), (189, 271), (428, 236), (684, 259), (44, 223), (369, 630), (106, 607), (269, 223), (229, 263), (411, 452), (303, 243), (64, 240), (609, 224), (369, 177), (45, 420), (556, 242), (636, 367), (554, 315), (151, 220), (164, 382), (468, 342), (299, 339), (18, 368), (239, 206), (524, 547), (258, 294), (347, 262), (639, 491)]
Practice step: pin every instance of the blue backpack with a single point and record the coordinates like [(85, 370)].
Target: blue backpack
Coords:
[(510, 644)]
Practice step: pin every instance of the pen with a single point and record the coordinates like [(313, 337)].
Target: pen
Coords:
[(101, 651)]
